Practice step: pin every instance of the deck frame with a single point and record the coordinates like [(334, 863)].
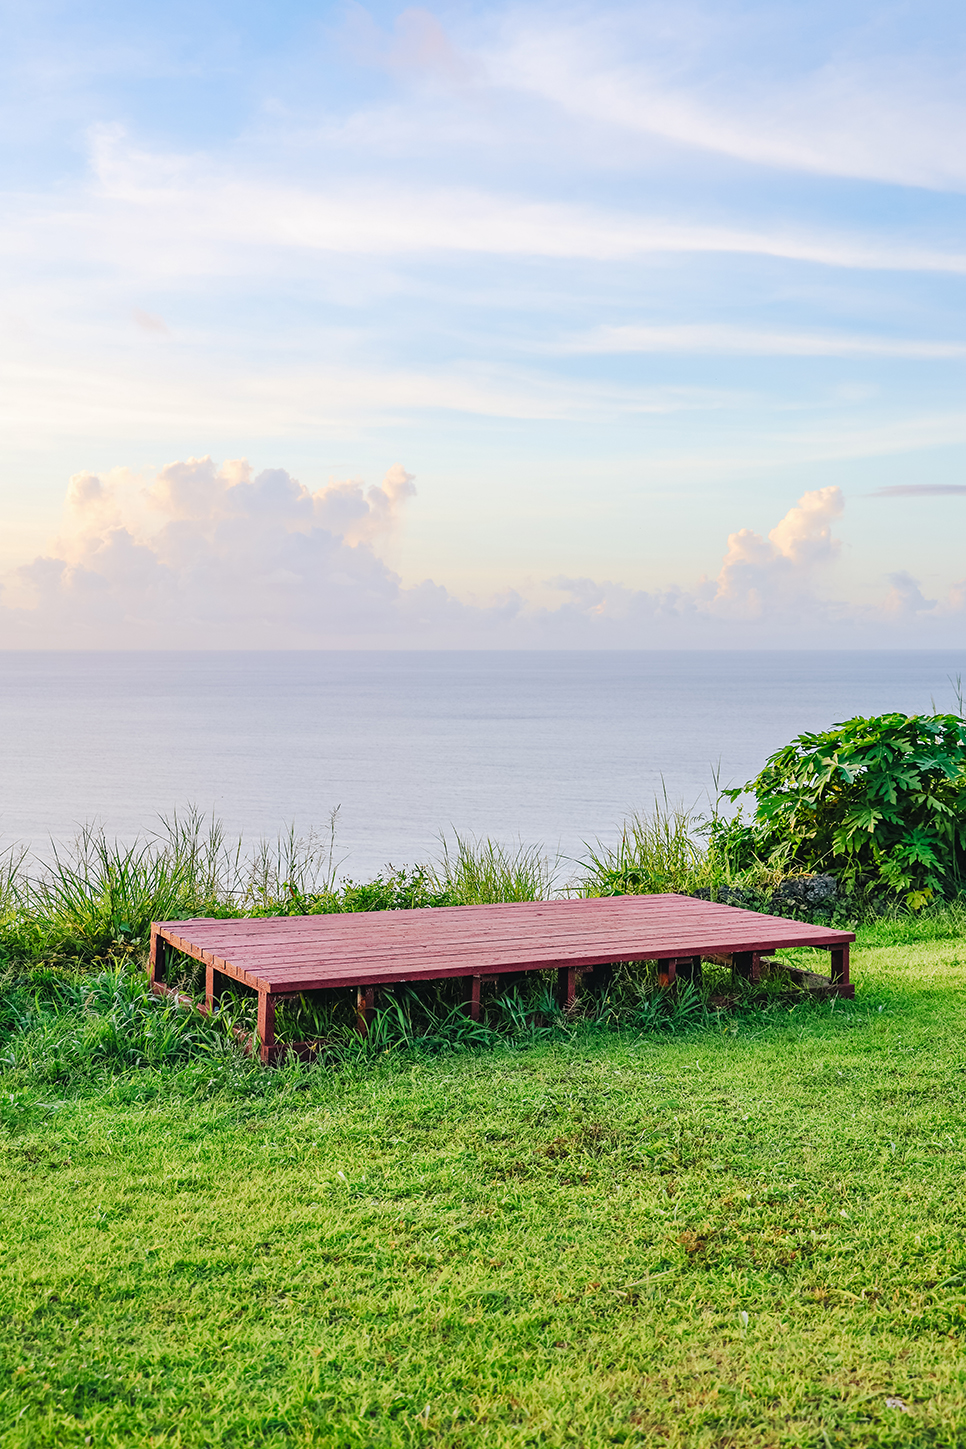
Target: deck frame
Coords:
[(281, 957)]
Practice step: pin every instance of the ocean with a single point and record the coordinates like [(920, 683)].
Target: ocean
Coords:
[(549, 748)]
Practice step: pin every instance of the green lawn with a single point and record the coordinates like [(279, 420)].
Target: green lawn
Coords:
[(754, 1236)]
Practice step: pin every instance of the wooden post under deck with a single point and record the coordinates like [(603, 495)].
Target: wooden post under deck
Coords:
[(214, 987), (566, 987), (666, 971), (156, 958), (688, 968), (748, 965), (266, 1026), (840, 965), (365, 1005), (471, 995)]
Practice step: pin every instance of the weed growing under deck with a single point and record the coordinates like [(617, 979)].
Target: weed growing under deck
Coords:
[(749, 1236)]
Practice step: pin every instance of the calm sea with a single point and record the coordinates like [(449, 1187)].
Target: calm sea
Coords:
[(551, 748)]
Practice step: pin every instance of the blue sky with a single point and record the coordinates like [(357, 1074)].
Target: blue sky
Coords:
[(607, 285)]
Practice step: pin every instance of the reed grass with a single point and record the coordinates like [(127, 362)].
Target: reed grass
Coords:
[(484, 872), (654, 854)]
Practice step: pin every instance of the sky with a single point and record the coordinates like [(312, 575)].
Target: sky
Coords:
[(482, 325)]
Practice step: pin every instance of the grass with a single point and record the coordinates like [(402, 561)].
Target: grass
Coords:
[(648, 1223), (656, 853), (751, 1233)]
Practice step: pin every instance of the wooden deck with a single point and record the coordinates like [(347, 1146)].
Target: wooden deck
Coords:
[(283, 956)]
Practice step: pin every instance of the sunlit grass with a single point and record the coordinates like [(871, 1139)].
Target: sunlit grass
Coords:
[(749, 1232)]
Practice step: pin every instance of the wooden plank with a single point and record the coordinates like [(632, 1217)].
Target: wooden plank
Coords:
[(383, 935), (629, 932), (670, 910), (636, 946)]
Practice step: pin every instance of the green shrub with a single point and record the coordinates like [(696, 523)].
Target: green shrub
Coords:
[(878, 801)]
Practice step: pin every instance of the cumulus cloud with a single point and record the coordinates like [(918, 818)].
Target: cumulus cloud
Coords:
[(203, 555), (905, 597), (760, 575)]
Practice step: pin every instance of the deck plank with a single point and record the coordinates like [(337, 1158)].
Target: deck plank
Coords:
[(284, 953)]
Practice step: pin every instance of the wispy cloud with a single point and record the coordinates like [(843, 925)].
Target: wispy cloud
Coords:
[(697, 339), (922, 490), (872, 110), (528, 242), (180, 217)]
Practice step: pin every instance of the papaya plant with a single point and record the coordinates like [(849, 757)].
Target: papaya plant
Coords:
[(879, 800)]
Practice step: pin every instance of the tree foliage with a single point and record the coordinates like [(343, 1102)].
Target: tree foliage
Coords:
[(874, 800)]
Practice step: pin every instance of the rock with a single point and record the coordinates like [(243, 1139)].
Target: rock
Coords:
[(810, 891)]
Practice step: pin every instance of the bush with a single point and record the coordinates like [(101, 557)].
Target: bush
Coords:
[(880, 802)]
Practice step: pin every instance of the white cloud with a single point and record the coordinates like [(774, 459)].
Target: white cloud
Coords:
[(169, 216), (210, 555), (693, 339), (207, 556), (905, 598), (680, 74), (775, 576)]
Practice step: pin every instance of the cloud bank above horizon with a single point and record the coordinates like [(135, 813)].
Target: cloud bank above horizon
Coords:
[(219, 557), (620, 282)]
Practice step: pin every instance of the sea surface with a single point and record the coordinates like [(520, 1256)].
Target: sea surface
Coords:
[(551, 748)]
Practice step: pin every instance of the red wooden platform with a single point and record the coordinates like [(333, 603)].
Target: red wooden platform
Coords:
[(283, 956)]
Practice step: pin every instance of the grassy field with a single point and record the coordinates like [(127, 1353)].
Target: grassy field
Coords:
[(748, 1234)]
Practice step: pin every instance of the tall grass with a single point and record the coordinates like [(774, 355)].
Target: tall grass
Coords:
[(63, 1030), (93, 903), (95, 900), (654, 854), (483, 872), (73, 934), (12, 862)]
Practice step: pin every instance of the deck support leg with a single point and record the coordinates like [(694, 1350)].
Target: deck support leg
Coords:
[(157, 960), (365, 1006), (566, 987), (266, 1026), (666, 971), (214, 987), (471, 995), (840, 971), (747, 964)]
